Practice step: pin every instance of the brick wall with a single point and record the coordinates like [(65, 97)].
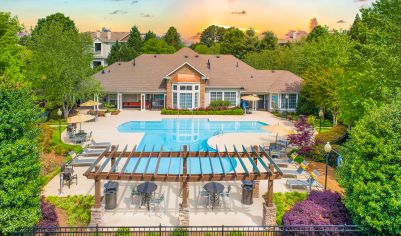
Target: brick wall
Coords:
[(186, 69)]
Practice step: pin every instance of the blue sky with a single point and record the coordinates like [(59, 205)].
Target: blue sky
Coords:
[(190, 16)]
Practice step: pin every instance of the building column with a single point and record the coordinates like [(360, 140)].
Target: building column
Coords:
[(119, 101), (143, 101)]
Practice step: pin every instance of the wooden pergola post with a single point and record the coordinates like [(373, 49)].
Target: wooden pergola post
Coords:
[(185, 190), (269, 199), (98, 189)]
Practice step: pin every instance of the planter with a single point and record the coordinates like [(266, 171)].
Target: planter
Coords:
[(107, 114), (116, 112)]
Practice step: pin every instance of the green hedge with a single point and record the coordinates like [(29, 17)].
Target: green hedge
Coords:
[(235, 111), (220, 103), (284, 201), (78, 208)]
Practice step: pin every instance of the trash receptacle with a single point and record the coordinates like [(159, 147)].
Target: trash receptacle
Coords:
[(247, 192), (110, 195), (110, 199)]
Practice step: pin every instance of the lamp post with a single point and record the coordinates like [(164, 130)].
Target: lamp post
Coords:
[(321, 114), (59, 113), (327, 149), (286, 109)]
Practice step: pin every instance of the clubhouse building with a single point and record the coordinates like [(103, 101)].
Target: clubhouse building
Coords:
[(188, 80)]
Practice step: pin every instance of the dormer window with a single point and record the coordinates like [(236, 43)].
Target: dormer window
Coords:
[(98, 47)]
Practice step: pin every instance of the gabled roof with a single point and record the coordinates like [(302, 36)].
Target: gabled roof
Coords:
[(110, 37), (184, 64), (149, 70)]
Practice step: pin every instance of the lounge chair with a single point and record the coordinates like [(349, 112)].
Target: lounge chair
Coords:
[(94, 144), (283, 162), (304, 184), (83, 161), (295, 173), (89, 137), (91, 152)]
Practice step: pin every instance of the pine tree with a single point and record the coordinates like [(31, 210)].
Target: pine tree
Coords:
[(134, 40)]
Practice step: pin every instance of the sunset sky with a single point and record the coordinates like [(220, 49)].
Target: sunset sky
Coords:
[(190, 16)]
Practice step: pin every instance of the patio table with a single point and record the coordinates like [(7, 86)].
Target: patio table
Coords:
[(214, 189), (146, 189)]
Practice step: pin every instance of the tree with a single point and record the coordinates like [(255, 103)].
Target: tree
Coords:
[(19, 152), (149, 35), (316, 33), (120, 52), (251, 40), (57, 18), (371, 170), (212, 34), (12, 55), (60, 69), (356, 31), (203, 49), (304, 136), (234, 43), (269, 41), (157, 46), (373, 74), (172, 38), (134, 39)]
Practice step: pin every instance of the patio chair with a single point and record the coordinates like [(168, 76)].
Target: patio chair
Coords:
[(95, 145), (68, 175), (203, 194), (135, 193), (158, 202), (88, 137), (227, 195)]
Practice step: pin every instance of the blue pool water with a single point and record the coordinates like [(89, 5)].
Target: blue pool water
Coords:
[(172, 134)]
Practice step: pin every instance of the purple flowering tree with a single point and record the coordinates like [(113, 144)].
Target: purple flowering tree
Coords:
[(304, 136), (49, 217), (320, 208)]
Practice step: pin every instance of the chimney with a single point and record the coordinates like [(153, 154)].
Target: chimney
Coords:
[(108, 35), (97, 34)]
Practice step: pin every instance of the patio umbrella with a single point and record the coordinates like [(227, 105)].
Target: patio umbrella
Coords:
[(251, 98), (79, 119), (90, 103), (279, 130)]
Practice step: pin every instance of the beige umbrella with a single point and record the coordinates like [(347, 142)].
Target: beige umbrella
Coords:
[(278, 129), (90, 103), (251, 98), (79, 119)]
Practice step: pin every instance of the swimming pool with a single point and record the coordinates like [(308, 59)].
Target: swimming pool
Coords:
[(172, 134)]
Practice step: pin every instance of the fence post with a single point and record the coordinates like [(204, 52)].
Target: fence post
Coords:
[(97, 229), (222, 230), (160, 229)]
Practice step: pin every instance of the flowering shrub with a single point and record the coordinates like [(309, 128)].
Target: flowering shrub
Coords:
[(204, 111), (320, 208), (304, 136), (49, 216)]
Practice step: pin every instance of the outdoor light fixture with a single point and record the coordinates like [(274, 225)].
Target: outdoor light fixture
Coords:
[(327, 149), (59, 113), (321, 114)]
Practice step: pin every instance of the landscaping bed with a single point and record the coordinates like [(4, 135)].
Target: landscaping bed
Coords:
[(230, 111)]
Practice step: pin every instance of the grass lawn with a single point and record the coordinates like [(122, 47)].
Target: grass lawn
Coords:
[(58, 146)]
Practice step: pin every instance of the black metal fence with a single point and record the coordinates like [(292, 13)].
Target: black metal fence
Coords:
[(295, 230)]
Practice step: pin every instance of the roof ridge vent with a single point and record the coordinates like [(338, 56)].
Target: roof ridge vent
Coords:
[(217, 56), (251, 76), (236, 64), (273, 71), (155, 55), (196, 55), (186, 56)]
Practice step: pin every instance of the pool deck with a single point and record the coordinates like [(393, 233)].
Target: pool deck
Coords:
[(126, 213), (105, 128)]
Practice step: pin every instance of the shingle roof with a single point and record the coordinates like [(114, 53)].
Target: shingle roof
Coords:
[(147, 72), (114, 36)]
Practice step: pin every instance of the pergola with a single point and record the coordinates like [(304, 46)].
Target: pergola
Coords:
[(252, 164)]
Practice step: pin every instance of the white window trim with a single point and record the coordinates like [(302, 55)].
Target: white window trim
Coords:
[(178, 91), (223, 95)]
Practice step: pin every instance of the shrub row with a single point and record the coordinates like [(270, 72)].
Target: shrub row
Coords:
[(78, 208), (234, 111)]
